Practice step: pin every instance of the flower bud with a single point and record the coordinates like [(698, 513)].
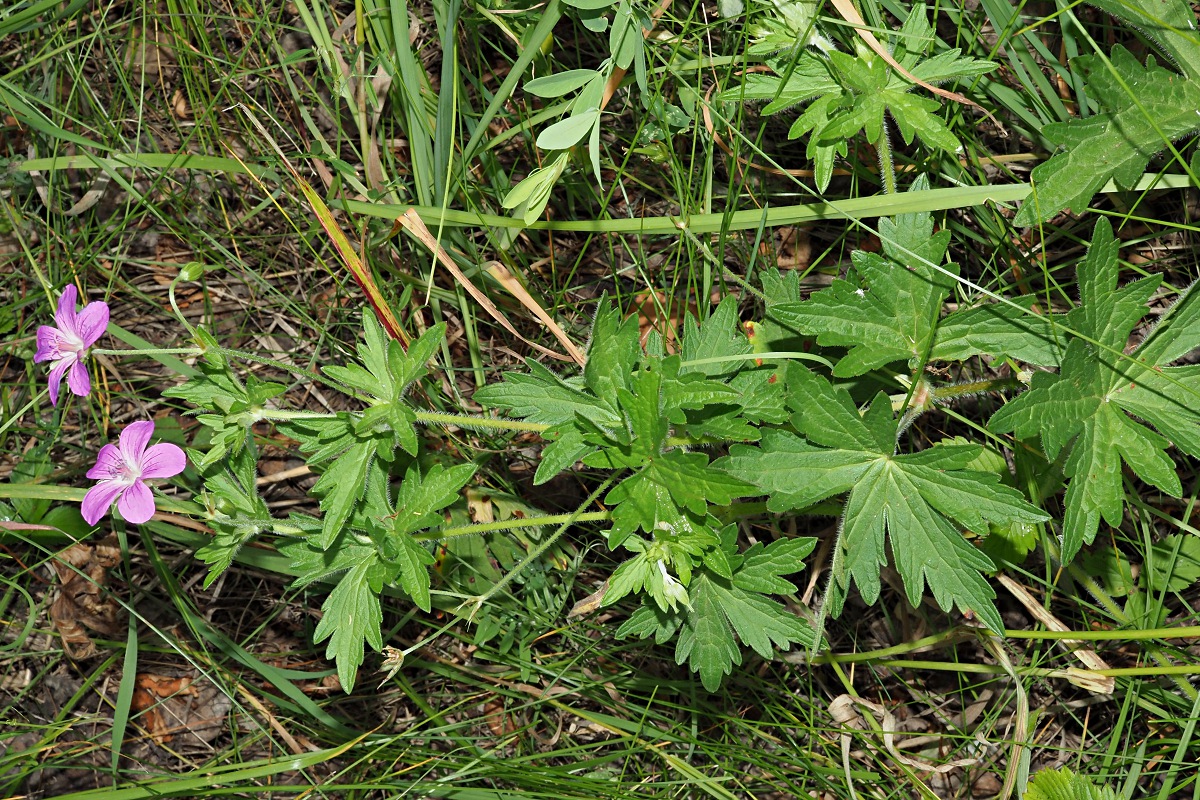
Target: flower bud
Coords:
[(192, 271)]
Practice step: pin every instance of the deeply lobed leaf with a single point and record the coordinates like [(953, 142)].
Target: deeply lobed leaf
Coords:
[(1084, 405)]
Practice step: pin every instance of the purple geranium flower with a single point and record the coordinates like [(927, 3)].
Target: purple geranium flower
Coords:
[(67, 344), (123, 471)]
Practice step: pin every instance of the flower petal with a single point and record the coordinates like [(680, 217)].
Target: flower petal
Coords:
[(98, 499), (49, 344), (163, 460), (79, 380), (91, 322), (137, 504), (65, 315), (56, 375), (108, 464), (134, 439)]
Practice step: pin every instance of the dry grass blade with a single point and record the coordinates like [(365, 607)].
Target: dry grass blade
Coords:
[(362, 275), (412, 223), (510, 282), (1083, 653)]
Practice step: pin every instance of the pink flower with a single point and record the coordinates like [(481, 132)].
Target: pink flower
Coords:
[(67, 344), (123, 471)]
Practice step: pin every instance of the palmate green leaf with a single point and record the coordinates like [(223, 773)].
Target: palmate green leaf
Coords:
[(888, 310), (544, 398), (760, 395), (852, 93), (385, 375), (710, 342), (719, 611), (351, 615), (822, 152), (763, 565), (724, 611), (612, 354), (681, 392), (650, 620), (1146, 107), (1175, 565), (1062, 784), (413, 561), (770, 334), (311, 564), (232, 482), (1084, 405), (1000, 330), (666, 481), (805, 77), (1170, 23), (340, 487), (420, 498), (235, 405), (672, 481), (872, 89), (918, 502)]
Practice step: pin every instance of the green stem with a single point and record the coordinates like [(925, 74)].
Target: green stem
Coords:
[(164, 351), (887, 167), (478, 601), (479, 423), (924, 397), (946, 393), (426, 417), (175, 306), (1093, 587), (1137, 634), (283, 415), (438, 535), (1038, 672), (771, 356), (956, 635)]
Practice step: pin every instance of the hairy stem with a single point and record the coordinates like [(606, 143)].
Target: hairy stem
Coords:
[(477, 602), (512, 524), (887, 167), (479, 423)]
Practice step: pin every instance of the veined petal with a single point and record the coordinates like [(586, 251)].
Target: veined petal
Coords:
[(79, 380), (108, 464), (163, 460), (65, 315), (49, 344), (98, 499), (134, 439), (91, 322), (137, 503), (56, 375)]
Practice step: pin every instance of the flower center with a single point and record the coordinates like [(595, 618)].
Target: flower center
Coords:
[(72, 343), (131, 471)]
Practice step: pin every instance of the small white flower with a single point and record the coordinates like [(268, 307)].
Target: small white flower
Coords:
[(673, 591)]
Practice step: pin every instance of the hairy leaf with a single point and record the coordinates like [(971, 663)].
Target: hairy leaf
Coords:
[(918, 502), (1062, 784), (721, 613), (340, 487), (1146, 107), (1000, 330), (1084, 405), (887, 310), (710, 342), (351, 615)]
